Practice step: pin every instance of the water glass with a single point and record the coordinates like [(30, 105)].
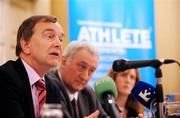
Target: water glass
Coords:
[(172, 105), (51, 111)]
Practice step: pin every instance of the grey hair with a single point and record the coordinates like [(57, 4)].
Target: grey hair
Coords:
[(74, 46)]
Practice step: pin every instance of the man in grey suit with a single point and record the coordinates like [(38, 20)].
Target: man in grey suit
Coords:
[(78, 63), (39, 43)]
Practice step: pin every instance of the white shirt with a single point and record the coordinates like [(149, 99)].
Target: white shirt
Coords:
[(72, 95), (33, 78)]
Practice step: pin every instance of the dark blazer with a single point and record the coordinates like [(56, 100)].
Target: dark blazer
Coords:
[(87, 102), (16, 98)]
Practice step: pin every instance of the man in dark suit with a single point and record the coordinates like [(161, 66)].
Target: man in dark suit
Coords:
[(39, 43), (78, 63)]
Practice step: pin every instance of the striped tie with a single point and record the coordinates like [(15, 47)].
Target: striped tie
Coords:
[(41, 87)]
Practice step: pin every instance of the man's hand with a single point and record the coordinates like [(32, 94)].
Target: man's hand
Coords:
[(93, 115)]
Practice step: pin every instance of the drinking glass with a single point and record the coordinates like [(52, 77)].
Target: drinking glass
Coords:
[(172, 105), (51, 111)]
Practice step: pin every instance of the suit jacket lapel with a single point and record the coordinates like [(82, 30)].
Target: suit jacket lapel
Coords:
[(25, 85), (65, 101), (83, 100), (66, 97)]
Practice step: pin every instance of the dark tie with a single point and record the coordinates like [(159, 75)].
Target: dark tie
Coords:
[(75, 108), (41, 87)]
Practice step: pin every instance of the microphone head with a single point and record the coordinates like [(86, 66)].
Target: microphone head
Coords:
[(144, 93), (119, 65), (105, 85)]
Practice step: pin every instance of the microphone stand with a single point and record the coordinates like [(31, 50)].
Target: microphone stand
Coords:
[(159, 94), (110, 106), (159, 89)]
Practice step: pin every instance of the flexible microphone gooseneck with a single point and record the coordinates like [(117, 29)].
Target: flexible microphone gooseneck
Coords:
[(106, 92)]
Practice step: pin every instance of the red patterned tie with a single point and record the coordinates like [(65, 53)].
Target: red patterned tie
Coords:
[(41, 87)]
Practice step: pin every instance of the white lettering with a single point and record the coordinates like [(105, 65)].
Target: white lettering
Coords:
[(116, 37)]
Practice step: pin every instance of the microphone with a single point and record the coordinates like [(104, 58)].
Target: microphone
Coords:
[(106, 92), (144, 93), (122, 64)]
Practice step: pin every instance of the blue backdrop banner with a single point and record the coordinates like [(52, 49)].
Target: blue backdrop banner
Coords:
[(119, 28)]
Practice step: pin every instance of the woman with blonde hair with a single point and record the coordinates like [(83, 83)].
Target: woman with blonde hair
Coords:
[(125, 81)]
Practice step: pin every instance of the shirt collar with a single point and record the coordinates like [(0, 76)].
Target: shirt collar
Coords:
[(72, 95), (32, 74)]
